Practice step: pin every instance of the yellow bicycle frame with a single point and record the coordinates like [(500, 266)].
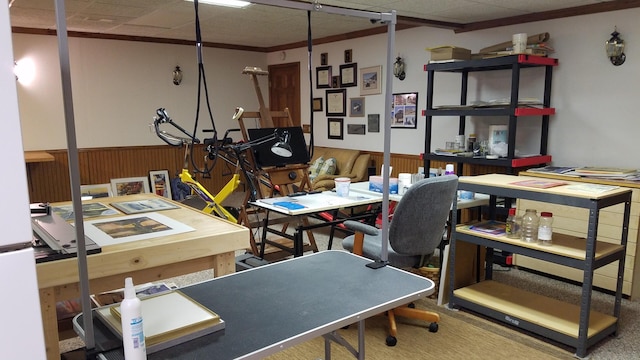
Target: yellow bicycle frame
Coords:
[(213, 201)]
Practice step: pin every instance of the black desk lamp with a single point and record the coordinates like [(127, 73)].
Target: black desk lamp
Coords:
[(282, 147)]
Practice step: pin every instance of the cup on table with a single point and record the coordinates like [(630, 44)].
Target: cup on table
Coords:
[(342, 186), (519, 43), (404, 182)]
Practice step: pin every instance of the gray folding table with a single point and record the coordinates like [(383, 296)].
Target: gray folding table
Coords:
[(273, 307)]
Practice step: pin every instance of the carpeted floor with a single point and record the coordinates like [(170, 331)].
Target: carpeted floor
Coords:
[(462, 334)]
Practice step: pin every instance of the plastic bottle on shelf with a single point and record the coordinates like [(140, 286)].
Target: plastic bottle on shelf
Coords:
[(132, 329), (545, 231), (513, 225), (529, 228), (448, 170)]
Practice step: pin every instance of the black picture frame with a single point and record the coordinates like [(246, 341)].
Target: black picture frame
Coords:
[(404, 110), (317, 104), (335, 128), (323, 77), (373, 122), (348, 56), (324, 59), (336, 101), (349, 75)]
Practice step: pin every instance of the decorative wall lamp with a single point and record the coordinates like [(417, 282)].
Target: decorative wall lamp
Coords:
[(177, 76), (398, 68), (615, 49)]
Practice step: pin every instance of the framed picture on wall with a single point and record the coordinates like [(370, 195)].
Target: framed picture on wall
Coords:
[(371, 80), (130, 186), (160, 183), (356, 107), (336, 102), (403, 110), (336, 129), (373, 123), (349, 75), (317, 104), (323, 77)]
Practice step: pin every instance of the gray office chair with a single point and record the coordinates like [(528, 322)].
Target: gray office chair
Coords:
[(415, 231)]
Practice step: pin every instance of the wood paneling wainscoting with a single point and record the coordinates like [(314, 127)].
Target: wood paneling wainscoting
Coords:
[(49, 181)]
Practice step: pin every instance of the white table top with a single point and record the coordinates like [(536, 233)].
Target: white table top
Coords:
[(363, 188), (314, 203)]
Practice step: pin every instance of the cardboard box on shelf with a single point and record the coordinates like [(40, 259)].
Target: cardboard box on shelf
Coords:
[(448, 52)]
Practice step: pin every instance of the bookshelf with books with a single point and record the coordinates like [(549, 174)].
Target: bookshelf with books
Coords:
[(513, 108)]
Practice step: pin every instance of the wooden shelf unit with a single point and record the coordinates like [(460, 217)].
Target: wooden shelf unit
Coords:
[(572, 221), (572, 324)]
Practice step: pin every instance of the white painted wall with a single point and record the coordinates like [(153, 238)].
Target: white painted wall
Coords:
[(118, 85), (595, 122)]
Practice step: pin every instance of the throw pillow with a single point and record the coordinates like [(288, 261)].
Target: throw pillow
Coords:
[(314, 169), (329, 167)]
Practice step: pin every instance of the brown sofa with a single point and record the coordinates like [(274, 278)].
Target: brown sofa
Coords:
[(349, 163)]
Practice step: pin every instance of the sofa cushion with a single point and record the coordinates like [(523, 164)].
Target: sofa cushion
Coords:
[(328, 167), (314, 169)]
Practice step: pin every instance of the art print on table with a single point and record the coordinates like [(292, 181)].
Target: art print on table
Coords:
[(128, 228), (404, 109), (130, 186), (96, 191), (160, 183)]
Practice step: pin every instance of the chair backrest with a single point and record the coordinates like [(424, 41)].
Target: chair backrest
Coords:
[(420, 218)]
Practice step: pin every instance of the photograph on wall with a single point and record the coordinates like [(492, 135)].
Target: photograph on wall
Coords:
[(356, 129), (371, 80), (403, 110), (356, 107), (129, 228), (373, 123)]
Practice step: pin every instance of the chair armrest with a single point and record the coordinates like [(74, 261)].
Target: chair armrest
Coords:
[(360, 227)]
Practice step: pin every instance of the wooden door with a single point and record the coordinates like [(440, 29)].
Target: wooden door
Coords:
[(284, 91)]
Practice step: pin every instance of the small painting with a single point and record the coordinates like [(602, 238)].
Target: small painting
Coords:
[(130, 186)]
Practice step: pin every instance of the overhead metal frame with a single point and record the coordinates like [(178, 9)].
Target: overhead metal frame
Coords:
[(390, 19)]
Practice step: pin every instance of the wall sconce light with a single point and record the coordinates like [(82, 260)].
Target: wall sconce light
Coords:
[(24, 70), (177, 76), (615, 49), (398, 68)]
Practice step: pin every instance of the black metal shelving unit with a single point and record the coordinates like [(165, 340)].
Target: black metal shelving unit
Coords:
[(514, 63), (572, 324)]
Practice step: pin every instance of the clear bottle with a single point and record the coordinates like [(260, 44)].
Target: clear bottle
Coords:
[(529, 228), (545, 231), (132, 329), (448, 170), (513, 225)]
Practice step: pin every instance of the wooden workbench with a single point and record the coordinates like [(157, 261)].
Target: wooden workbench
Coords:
[(211, 246)]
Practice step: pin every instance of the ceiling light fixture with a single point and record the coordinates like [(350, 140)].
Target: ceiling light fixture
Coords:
[(228, 3)]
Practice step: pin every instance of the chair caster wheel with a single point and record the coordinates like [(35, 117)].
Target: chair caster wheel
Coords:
[(433, 327), (391, 340)]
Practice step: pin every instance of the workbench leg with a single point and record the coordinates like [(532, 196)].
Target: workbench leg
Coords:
[(223, 264), (50, 323)]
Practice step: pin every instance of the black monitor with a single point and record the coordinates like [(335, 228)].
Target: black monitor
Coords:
[(265, 157)]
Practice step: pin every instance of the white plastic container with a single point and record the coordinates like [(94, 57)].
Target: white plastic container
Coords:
[(132, 329)]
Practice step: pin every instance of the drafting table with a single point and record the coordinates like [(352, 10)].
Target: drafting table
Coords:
[(211, 246), (310, 204), (276, 306)]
